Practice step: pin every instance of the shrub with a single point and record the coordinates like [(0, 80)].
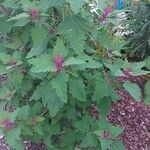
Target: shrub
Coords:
[(57, 65)]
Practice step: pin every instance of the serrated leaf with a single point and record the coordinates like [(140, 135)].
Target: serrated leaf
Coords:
[(43, 5), (147, 93), (26, 5), (48, 142), (21, 22), (19, 16), (68, 139), (2, 69), (105, 144), (82, 125), (74, 29), (115, 131), (102, 5), (39, 129), (43, 63), (76, 5), (40, 39), (102, 89), (23, 112), (117, 145), (90, 62), (26, 86), (77, 89), (60, 48), (73, 61), (133, 89), (4, 93), (14, 140), (5, 27), (104, 39), (89, 141), (5, 58), (59, 83), (16, 78), (10, 115), (49, 98), (57, 3), (10, 4)]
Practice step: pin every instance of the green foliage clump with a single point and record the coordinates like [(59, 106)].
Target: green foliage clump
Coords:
[(55, 55)]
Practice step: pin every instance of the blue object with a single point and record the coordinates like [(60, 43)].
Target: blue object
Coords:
[(119, 4)]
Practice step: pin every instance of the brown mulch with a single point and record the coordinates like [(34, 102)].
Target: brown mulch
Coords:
[(133, 116)]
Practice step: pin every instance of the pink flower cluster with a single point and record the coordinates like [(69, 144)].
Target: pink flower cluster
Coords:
[(8, 124), (106, 12), (58, 61), (34, 14), (106, 135)]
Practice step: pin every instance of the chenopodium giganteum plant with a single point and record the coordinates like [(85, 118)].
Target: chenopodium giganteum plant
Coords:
[(54, 57)]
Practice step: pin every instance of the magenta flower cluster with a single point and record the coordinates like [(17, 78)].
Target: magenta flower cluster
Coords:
[(58, 61), (106, 135), (7, 123), (105, 14), (34, 14)]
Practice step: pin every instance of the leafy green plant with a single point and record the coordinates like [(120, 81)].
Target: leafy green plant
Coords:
[(54, 57)]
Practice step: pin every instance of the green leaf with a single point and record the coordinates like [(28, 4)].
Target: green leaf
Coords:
[(73, 61), (82, 125), (16, 78), (68, 139), (147, 93), (39, 129), (60, 48), (133, 89), (90, 62), (49, 98), (117, 145), (21, 22), (105, 144), (24, 112), (26, 5), (43, 63), (9, 115), (19, 16), (102, 89), (5, 27), (147, 63), (57, 3), (47, 141), (14, 140), (115, 131), (4, 93), (43, 5), (89, 141), (59, 83), (102, 5), (2, 69), (10, 4), (76, 5), (5, 58), (105, 39), (74, 29), (26, 86), (40, 40), (77, 89)]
